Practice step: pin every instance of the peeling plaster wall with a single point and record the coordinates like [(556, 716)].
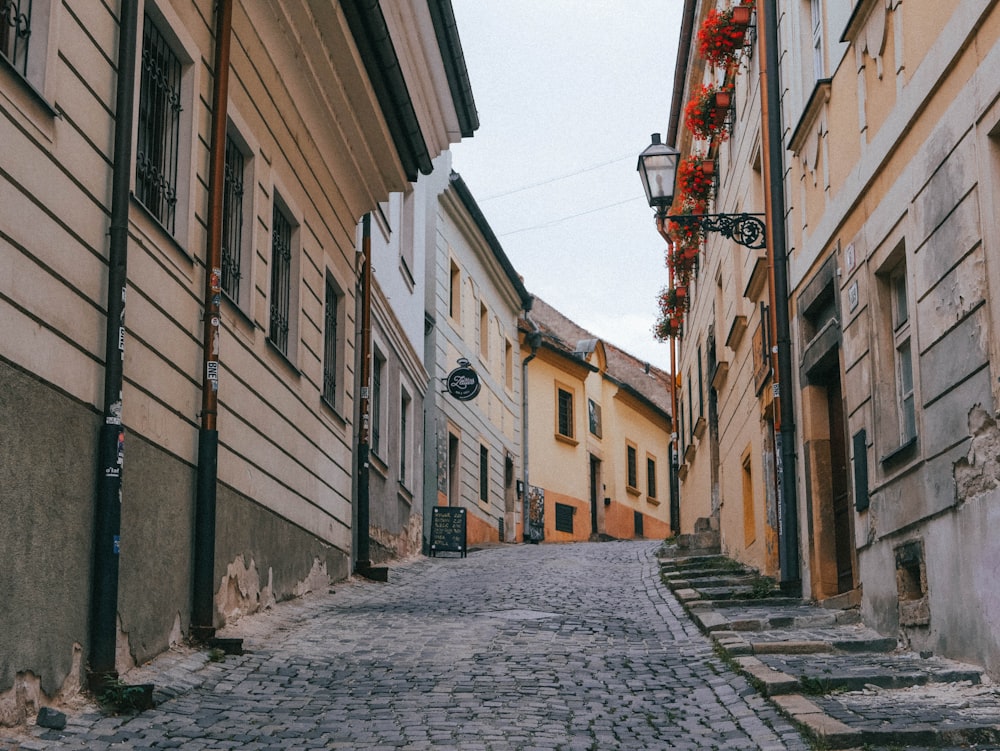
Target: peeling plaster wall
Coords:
[(47, 475), (261, 559)]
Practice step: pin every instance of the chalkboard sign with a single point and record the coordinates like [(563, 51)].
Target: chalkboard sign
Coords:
[(448, 524)]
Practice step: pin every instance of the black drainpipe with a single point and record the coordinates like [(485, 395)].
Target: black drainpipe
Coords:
[(788, 516), (111, 441), (203, 574)]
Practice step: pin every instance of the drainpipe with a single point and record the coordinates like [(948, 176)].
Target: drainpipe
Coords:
[(784, 421), (111, 440), (363, 563), (534, 341), (675, 464), (203, 577)]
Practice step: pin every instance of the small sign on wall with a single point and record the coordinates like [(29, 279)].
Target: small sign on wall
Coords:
[(852, 296)]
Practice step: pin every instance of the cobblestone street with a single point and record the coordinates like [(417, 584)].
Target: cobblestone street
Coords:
[(523, 647)]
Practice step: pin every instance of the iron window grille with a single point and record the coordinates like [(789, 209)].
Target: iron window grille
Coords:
[(376, 406), (15, 33), (565, 413), (632, 464), (330, 343), (232, 221), (484, 474), (281, 279), (158, 140)]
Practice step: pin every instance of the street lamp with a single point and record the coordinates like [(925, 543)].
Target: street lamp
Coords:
[(658, 172)]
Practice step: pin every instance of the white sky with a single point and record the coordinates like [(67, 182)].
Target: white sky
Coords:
[(568, 93)]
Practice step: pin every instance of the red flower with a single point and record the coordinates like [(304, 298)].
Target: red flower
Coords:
[(720, 38)]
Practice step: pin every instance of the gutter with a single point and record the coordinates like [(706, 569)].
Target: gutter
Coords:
[(534, 339), (371, 34), (446, 28)]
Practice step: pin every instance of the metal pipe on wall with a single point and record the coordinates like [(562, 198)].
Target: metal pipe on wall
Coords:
[(111, 440), (203, 575)]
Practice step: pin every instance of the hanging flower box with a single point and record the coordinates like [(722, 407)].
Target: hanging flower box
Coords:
[(694, 185), (707, 167), (722, 35), (681, 292), (723, 99), (703, 115)]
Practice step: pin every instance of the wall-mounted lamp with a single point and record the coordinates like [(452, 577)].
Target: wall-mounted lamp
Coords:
[(658, 172)]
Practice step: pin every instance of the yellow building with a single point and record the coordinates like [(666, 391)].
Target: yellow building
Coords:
[(598, 435)]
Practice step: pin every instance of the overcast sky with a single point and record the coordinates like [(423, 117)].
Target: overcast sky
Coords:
[(568, 93)]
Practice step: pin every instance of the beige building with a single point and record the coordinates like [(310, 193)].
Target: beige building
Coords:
[(888, 125), (472, 438), (598, 435), (893, 176), (331, 107)]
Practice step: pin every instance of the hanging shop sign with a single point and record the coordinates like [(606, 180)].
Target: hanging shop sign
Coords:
[(463, 382)]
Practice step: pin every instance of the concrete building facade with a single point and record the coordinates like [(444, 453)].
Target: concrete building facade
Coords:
[(331, 107), (474, 297)]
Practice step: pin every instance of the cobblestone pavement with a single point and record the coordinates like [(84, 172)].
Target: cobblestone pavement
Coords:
[(571, 647)]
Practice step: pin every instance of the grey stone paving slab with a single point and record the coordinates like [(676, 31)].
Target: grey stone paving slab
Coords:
[(836, 672), (514, 647)]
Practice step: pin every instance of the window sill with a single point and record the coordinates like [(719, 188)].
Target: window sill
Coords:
[(631, 490), (652, 501), (153, 226), (405, 493), (900, 453), (567, 439), (334, 412), (283, 357), (48, 109)]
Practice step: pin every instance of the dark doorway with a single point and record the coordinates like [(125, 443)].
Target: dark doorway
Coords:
[(840, 486), (595, 474)]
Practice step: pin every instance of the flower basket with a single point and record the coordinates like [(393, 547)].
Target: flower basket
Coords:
[(703, 116), (707, 167), (694, 184), (681, 292), (722, 34), (723, 99)]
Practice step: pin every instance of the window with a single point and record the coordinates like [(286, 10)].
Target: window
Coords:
[(816, 18), (331, 339), (594, 417), (406, 237), (15, 33), (484, 332), (508, 363), (749, 520), (281, 279), (159, 135), (564, 416), (564, 517), (701, 387), (904, 360), (375, 404), (631, 467), (233, 220), (650, 477), (404, 438), (455, 293), (484, 474)]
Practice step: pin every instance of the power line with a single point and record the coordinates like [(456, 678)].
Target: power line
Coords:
[(567, 218), (556, 179)]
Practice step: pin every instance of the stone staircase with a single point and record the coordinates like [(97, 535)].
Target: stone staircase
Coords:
[(846, 685)]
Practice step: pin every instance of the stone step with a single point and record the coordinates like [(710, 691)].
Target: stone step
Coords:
[(938, 715)]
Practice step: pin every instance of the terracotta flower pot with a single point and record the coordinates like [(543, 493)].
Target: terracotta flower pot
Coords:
[(681, 292), (741, 15), (722, 100), (708, 166)]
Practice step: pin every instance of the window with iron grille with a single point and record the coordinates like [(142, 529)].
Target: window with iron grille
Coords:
[(281, 279), (484, 474), (632, 467), (565, 425), (375, 403), (331, 362), (232, 220), (158, 140), (650, 477), (15, 33), (404, 438)]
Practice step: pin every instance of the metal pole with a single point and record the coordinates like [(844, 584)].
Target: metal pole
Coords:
[(111, 440), (203, 575), (363, 560), (788, 521)]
